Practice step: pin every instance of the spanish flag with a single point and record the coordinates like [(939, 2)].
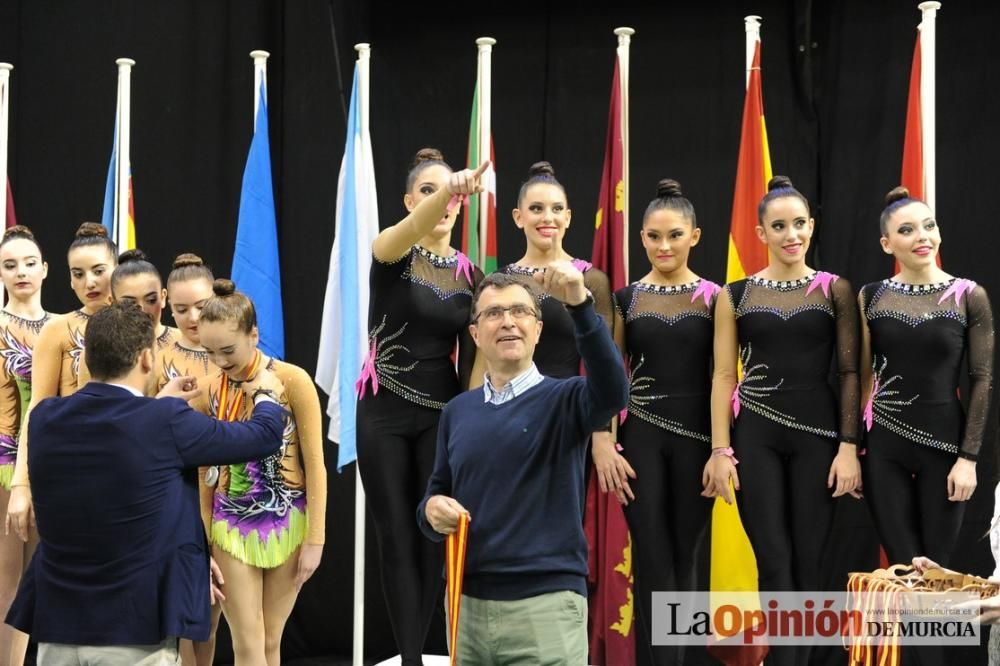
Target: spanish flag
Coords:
[(734, 567), (747, 254), (913, 177)]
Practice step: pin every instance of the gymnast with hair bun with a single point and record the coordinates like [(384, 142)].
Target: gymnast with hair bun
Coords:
[(663, 325), (56, 361), (544, 215), (421, 301), (920, 467), (794, 437)]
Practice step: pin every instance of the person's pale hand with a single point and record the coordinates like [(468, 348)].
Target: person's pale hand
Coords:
[(185, 388), (215, 582), (563, 281), (715, 478), (612, 469), (845, 473), (922, 564), (442, 513), (467, 181), (988, 610), (310, 555), (962, 480), (20, 512)]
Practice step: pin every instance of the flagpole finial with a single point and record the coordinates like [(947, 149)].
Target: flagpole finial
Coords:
[(6, 66), (752, 22), (125, 62), (929, 6), (485, 41), (362, 47), (624, 35)]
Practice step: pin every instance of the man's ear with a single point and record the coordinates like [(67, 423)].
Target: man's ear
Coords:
[(147, 359)]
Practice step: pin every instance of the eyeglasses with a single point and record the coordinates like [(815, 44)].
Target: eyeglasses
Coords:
[(496, 313)]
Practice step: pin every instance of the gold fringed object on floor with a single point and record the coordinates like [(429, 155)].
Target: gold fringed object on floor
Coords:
[(878, 596)]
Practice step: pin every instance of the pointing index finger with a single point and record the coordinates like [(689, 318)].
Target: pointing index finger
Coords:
[(482, 169), (557, 243)]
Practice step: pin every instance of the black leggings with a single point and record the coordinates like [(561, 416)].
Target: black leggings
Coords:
[(907, 489), (906, 485), (668, 521), (785, 507), (396, 444)]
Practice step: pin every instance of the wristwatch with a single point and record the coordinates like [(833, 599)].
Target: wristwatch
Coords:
[(579, 306)]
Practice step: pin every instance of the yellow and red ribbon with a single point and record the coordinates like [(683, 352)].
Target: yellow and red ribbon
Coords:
[(455, 563), (232, 412)]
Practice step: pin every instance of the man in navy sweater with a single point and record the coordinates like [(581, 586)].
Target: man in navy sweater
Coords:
[(511, 455), (122, 566)]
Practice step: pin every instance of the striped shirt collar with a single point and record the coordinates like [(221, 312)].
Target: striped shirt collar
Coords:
[(512, 389)]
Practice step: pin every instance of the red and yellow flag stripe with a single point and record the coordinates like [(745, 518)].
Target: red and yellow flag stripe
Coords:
[(733, 565), (455, 564)]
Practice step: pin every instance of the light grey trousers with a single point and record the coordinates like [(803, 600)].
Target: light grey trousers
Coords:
[(60, 654)]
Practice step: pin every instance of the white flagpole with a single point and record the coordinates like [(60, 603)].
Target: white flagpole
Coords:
[(928, 66), (358, 649), (752, 27), (485, 45), (624, 40), (124, 129), (259, 76), (5, 68)]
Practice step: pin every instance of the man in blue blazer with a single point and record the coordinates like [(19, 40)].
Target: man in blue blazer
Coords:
[(122, 568)]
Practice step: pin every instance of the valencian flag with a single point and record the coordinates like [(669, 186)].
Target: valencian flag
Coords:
[(11, 217), (734, 567), (479, 240), (609, 545), (122, 234)]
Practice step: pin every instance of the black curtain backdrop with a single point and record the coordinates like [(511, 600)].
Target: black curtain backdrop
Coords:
[(835, 82)]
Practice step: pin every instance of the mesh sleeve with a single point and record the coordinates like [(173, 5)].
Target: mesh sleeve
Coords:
[(845, 307), (466, 345), (621, 300), (600, 286), (979, 349)]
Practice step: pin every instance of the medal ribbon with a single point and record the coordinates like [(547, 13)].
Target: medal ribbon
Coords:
[(455, 554), (231, 412)]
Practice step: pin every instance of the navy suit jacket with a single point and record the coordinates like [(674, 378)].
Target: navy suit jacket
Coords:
[(122, 557)]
